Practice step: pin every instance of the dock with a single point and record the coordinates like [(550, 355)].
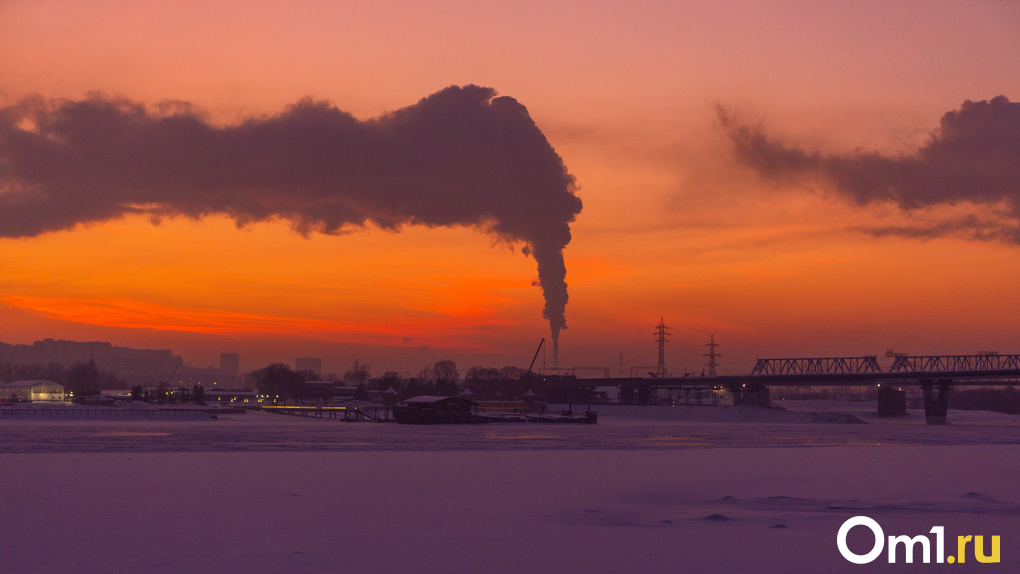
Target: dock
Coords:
[(360, 413)]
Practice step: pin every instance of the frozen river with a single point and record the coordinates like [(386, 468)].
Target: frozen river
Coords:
[(648, 489)]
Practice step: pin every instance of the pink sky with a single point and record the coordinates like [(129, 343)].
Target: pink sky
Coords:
[(673, 224)]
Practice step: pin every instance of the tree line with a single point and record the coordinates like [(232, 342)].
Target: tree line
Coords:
[(281, 382), (84, 379)]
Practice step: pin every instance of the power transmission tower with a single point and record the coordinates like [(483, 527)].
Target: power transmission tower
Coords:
[(661, 335), (712, 356)]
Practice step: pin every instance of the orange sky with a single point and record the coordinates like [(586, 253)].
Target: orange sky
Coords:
[(672, 225)]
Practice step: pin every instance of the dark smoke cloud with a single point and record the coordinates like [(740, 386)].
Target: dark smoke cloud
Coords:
[(973, 156), (461, 156)]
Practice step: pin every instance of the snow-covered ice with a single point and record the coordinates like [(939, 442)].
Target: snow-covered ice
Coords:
[(648, 489)]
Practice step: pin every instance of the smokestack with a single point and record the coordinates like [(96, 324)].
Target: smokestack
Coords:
[(460, 157)]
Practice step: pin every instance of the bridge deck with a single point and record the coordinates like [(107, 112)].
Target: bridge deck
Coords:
[(960, 378)]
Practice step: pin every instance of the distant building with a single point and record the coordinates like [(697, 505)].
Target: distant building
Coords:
[(230, 364), (314, 365), (32, 391), (135, 366)]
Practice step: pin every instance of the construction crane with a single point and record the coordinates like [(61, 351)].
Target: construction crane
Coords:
[(533, 359)]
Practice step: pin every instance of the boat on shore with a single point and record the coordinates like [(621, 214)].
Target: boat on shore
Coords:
[(429, 409)]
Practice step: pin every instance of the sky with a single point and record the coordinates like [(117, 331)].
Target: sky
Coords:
[(405, 182)]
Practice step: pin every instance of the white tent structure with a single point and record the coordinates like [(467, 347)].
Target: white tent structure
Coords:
[(32, 391)]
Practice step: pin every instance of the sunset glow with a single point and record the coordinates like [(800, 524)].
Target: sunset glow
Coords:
[(747, 170)]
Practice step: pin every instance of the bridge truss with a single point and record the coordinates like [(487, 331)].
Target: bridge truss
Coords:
[(822, 366), (938, 364)]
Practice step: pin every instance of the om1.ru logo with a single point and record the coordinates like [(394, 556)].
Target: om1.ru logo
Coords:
[(908, 545)]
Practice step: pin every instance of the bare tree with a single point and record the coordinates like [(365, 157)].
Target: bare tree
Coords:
[(358, 374), (447, 371), (277, 381)]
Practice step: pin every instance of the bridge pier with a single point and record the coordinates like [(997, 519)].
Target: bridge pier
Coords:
[(752, 395), (891, 402), (639, 394), (936, 405), (626, 395), (644, 394)]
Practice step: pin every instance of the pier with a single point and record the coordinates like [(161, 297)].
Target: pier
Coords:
[(381, 414)]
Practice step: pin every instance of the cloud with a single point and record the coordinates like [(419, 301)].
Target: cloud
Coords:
[(969, 227), (460, 157), (973, 157), (454, 331)]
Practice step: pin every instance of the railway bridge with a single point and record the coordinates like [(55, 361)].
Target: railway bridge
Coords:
[(935, 375)]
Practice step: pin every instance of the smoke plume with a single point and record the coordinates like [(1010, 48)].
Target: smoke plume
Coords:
[(973, 156), (460, 157)]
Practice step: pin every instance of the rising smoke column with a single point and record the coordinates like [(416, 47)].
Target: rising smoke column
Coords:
[(973, 156), (460, 157)]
